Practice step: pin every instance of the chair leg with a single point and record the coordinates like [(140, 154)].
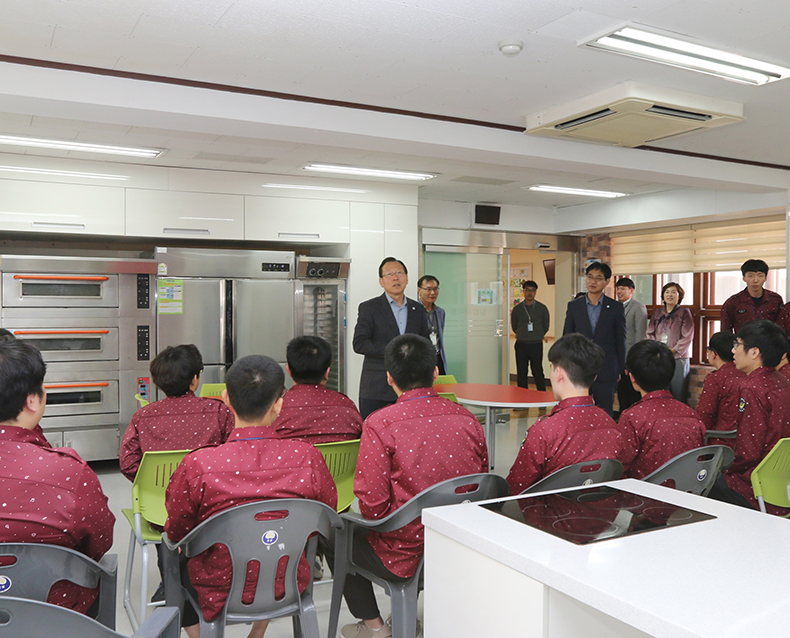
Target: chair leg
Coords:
[(307, 620), (144, 584), (404, 609), (342, 549), (127, 584)]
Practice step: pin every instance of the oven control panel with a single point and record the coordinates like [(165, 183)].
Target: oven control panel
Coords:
[(143, 291), (144, 387), (143, 343)]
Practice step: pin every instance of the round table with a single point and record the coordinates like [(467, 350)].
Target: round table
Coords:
[(492, 396)]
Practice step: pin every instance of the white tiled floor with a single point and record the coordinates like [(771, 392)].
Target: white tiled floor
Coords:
[(118, 490)]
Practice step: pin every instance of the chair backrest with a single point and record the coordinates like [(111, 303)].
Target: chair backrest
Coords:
[(212, 389), (450, 396), (341, 459), (150, 484), (445, 379), (264, 532), (771, 478), (32, 619), (694, 471), (141, 401), (461, 489), (579, 474)]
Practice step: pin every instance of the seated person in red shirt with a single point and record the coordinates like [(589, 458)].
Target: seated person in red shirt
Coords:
[(310, 411), (763, 411), (48, 495), (181, 421), (253, 465), (576, 430), (420, 440), (718, 405), (657, 427)]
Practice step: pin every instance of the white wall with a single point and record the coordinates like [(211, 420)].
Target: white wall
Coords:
[(521, 219)]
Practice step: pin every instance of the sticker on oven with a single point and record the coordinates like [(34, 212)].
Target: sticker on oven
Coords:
[(161, 269), (170, 296)]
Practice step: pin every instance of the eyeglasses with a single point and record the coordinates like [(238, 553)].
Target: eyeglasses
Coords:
[(430, 290), (594, 278), (738, 344), (389, 275)]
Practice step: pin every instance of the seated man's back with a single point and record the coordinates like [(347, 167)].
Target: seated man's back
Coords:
[(316, 414), (718, 404)]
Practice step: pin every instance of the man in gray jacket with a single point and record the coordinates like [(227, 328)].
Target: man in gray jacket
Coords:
[(530, 322), (635, 327)]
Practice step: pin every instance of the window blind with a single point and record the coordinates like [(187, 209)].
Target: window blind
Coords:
[(646, 253)]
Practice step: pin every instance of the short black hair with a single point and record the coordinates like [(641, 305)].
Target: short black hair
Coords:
[(673, 284), (22, 371), (254, 383), (769, 338), (722, 343), (6, 333), (599, 265), (579, 357), (425, 278), (625, 281), (410, 359), (173, 369), (387, 260), (308, 359), (652, 364), (528, 283), (754, 265)]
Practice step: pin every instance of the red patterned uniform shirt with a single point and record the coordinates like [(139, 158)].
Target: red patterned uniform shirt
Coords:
[(317, 415), (764, 411), (741, 308), (407, 447), (656, 429), (174, 423), (254, 465), (50, 495), (718, 404), (575, 431)]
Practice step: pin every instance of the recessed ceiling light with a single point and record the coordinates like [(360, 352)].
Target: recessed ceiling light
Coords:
[(310, 187), (56, 173), (66, 145), (667, 50), (368, 172), (545, 188)]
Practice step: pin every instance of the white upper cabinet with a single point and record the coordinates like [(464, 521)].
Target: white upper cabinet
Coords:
[(153, 213), (46, 207), (296, 220)]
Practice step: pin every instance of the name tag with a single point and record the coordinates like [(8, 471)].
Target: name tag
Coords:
[(434, 339), (530, 327)]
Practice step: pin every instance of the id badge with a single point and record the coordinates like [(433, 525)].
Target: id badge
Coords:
[(530, 327), (435, 340), (664, 338)]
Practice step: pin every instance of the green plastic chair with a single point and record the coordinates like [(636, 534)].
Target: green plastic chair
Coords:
[(771, 478), (444, 379), (450, 396), (212, 390), (148, 507), (341, 459), (141, 401)]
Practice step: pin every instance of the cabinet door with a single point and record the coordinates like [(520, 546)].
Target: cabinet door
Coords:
[(152, 213), (296, 220), (61, 208)]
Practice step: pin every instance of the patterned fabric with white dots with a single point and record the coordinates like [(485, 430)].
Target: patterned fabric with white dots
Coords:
[(740, 309), (718, 404), (575, 431), (174, 423), (315, 414), (253, 465), (407, 447), (50, 495), (656, 429)]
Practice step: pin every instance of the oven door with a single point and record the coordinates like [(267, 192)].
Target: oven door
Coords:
[(81, 397), (49, 290), (72, 344)]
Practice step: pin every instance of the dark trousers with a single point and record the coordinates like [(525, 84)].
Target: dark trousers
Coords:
[(530, 354), (358, 591), (369, 406), (603, 394), (626, 394), (724, 493)]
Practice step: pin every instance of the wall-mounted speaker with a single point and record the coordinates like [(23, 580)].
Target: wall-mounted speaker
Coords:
[(487, 214)]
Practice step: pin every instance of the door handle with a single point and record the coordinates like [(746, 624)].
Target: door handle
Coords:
[(499, 325)]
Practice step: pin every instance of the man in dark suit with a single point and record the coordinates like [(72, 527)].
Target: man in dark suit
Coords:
[(380, 320), (600, 318)]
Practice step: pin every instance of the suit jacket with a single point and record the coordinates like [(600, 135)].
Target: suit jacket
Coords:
[(440, 316), (635, 322), (609, 333), (376, 327)]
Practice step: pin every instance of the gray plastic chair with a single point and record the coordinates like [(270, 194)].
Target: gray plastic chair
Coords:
[(39, 566), (21, 618), (720, 434), (243, 535), (403, 595), (694, 471), (579, 475)]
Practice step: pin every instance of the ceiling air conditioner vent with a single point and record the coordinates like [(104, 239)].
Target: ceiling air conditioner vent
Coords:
[(632, 114)]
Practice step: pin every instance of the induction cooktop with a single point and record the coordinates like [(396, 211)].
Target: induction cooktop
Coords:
[(594, 514)]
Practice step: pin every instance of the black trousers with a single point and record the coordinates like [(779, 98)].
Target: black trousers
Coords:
[(724, 493), (530, 354), (369, 406), (603, 394), (626, 394)]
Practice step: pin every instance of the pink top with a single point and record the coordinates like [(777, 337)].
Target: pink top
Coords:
[(678, 327), (317, 415)]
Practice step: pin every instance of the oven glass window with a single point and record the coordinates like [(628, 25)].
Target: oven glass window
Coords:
[(70, 398), (61, 289), (70, 344)]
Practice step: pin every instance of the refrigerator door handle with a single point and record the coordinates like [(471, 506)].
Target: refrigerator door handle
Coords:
[(298, 308)]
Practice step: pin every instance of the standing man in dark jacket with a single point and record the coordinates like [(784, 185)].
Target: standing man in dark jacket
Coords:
[(530, 322), (428, 287), (601, 319), (380, 320)]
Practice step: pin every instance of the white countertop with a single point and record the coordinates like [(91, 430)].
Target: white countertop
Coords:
[(722, 578)]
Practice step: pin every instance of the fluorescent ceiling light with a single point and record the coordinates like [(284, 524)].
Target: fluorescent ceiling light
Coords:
[(659, 48), (544, 188), (368, 172), (56, 173), (65, 145), (309, 187)]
